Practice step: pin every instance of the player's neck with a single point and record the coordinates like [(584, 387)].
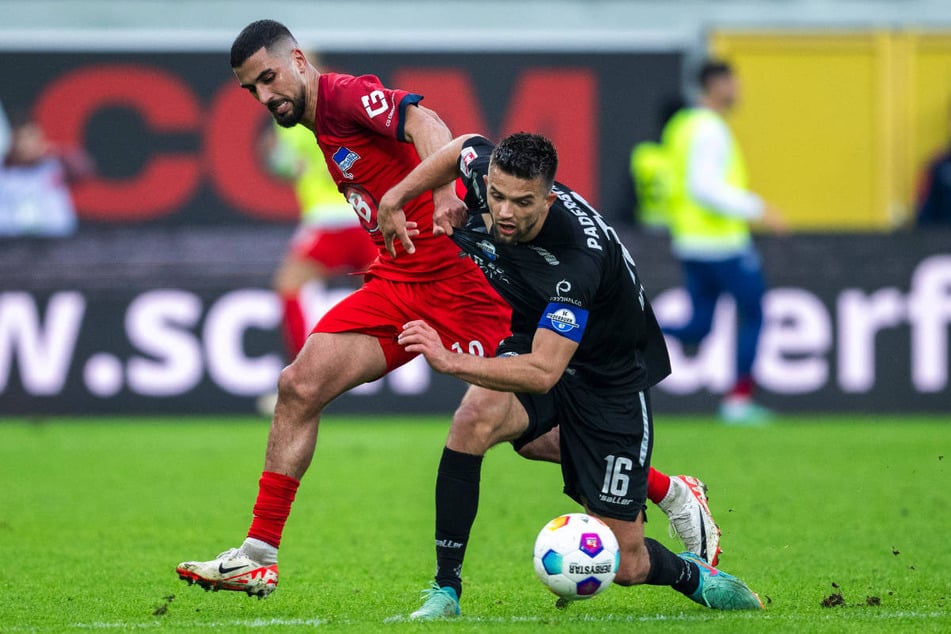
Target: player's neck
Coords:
[(311, 89)]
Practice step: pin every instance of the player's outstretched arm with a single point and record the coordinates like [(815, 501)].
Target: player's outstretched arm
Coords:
[(429, 133), (439, 169), (535, 372)]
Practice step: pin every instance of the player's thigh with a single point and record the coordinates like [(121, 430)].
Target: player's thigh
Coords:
[(331, 363), (486, 418), (606, 443), (546, 447), (376, 310)]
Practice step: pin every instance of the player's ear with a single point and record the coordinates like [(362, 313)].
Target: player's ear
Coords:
[(299, 59), (550, 199)]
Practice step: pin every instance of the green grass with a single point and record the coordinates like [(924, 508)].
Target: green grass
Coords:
[(94, 515)]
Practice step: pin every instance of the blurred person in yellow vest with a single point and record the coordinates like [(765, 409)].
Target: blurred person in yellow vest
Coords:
[(710, 211), (650, 168), (650, 172), (329, 240)]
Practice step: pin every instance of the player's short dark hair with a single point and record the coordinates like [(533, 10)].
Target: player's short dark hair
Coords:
[(711, 70), (257, 35), (527, 156)]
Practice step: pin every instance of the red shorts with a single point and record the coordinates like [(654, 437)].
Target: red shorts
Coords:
[(466, 312), (345, 249)]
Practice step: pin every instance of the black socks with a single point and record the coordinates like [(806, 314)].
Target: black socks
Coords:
[(667, 569), (457, 500)]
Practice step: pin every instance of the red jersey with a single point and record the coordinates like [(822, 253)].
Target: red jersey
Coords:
[(359, 127)]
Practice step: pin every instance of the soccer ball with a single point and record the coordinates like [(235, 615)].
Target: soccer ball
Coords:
[(576, 556)]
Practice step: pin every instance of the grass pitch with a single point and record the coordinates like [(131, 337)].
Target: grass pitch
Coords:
[(96, 513)]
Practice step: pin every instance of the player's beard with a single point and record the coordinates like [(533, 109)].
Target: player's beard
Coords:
[(292, 117)]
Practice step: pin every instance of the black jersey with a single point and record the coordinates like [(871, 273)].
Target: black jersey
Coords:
[(575, 278)]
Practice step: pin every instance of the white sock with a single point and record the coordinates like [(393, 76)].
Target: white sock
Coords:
[(669, 497), (261, 552)]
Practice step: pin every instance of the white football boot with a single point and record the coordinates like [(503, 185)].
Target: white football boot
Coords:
[(231, 570), (690, 518)]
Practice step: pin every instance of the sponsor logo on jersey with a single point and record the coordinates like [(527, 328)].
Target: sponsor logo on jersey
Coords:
[(563, 320), (345, 158), (488, 249), (563, 287), (374, 103), (468, 155), (549, 257), (561, 299)]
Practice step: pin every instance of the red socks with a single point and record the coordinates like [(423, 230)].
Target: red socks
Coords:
[(743, 388), (276, 493), (295, 327), (658, 484)]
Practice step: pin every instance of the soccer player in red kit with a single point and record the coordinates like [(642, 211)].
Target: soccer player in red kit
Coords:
[(372, 137)]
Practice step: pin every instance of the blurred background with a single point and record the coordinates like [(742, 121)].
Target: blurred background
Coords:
[(158, 298)]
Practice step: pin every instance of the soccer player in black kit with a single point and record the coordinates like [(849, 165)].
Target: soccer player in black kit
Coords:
[(585, 350)]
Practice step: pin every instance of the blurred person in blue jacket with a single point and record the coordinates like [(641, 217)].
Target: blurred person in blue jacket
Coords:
[(934, 192)]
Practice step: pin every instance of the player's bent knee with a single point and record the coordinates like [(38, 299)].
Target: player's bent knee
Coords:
[(295, 385), (472, 422), (476, 430)]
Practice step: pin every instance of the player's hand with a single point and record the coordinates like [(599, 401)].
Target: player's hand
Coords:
[(394, 226), (418, 336), (449, 211)]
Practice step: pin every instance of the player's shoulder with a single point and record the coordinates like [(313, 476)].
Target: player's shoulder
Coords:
[(338, 84), (573, 203), (576, 224), (345, 80), (342, 99), (475, 154)]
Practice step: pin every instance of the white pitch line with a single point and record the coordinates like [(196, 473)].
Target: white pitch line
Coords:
[(581, 618)]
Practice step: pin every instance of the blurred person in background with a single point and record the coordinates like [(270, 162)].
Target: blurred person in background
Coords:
[(4, 131), (35, 199), (650, 170), (710, 210), (934, 192)]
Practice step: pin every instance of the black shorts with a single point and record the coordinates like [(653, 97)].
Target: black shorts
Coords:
[(606, 439)]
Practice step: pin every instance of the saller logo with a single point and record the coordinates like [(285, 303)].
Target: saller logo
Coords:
[(345, 158)]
